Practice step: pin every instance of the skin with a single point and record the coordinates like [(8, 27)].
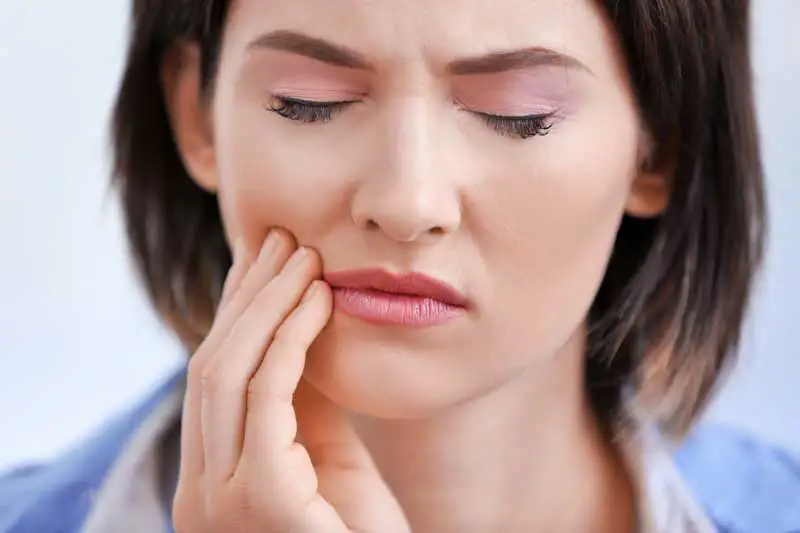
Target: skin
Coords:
[(478, 425)]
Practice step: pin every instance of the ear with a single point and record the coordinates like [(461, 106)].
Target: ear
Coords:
[(649, 196), (651, 188), (189, 114)]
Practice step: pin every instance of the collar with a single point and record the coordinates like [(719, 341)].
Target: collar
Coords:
[(136, 496)]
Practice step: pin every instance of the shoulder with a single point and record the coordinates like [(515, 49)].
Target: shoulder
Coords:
[(57, 496), (744, 484)]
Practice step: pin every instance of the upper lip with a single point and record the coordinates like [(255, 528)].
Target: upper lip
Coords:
[(408, 283)]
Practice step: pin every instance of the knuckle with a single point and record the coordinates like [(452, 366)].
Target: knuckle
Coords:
[(256, 505), (217, 513), (209, 382), (223, 508), (260, 390), (245, 500), (273, 497), (194, 370), (215, 383)]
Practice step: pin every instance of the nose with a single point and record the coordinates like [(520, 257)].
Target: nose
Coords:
[(409, 196)]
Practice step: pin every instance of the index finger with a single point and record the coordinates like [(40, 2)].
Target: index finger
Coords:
[(246, 278), (191, 433)]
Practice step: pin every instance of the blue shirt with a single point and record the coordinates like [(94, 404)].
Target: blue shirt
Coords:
[(742, 485)]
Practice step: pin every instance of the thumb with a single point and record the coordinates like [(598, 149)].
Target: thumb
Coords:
[(325, 431), (348, 477)]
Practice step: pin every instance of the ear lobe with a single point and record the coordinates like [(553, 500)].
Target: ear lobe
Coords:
[(651, 189), (188, 113), (649, 196)]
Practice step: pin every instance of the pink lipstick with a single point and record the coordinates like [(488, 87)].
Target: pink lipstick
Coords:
[(381, 297)]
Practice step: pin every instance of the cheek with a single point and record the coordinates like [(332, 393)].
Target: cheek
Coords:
[(268, 180), (552, 212)]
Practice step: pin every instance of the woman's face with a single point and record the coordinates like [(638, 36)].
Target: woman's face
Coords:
[(494, 146)]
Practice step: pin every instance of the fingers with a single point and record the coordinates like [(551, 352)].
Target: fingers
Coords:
[(228, 373), (271, 426), (244, 280), (270, 453), (276, 250), (191, 434), (242, 462)]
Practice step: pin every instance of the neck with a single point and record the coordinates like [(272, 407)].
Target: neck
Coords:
[(528, 457)]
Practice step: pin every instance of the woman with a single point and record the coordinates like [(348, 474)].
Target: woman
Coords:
[(442, 267)]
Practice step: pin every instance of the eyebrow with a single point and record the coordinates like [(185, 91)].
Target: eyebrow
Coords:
[(315, 48), (514, 60), (342, 56)]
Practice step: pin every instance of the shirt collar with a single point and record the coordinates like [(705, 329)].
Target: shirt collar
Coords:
[(136, 495), (131, 498)]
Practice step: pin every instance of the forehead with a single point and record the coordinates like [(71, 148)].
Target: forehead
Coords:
[(432, 30)]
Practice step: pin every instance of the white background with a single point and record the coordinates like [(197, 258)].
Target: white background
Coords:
[(78, 342)]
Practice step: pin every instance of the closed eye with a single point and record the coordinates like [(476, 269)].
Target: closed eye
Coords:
[(519, 127), (305, 111), (310, 111)]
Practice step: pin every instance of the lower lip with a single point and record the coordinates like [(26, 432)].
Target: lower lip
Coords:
[(388, 309)]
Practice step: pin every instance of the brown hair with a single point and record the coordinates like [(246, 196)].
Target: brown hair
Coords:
[(667, 319)]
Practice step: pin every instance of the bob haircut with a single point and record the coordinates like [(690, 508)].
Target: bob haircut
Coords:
[(666, 322)]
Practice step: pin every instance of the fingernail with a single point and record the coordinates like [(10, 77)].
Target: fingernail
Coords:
[(296, 259), (270, 244), (310, 292)]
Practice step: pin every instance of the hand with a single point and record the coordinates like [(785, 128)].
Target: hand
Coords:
[(242, 468)]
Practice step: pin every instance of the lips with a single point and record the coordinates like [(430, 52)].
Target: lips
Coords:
[(382, 297)]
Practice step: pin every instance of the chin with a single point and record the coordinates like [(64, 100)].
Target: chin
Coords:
[(387, 378)]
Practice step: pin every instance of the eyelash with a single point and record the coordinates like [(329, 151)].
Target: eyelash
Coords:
[(523, 127), (307, 112)]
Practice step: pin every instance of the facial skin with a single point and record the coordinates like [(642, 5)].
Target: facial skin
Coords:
[(412, 176)]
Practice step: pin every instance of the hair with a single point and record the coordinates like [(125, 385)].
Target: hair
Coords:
[(667, 320)]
